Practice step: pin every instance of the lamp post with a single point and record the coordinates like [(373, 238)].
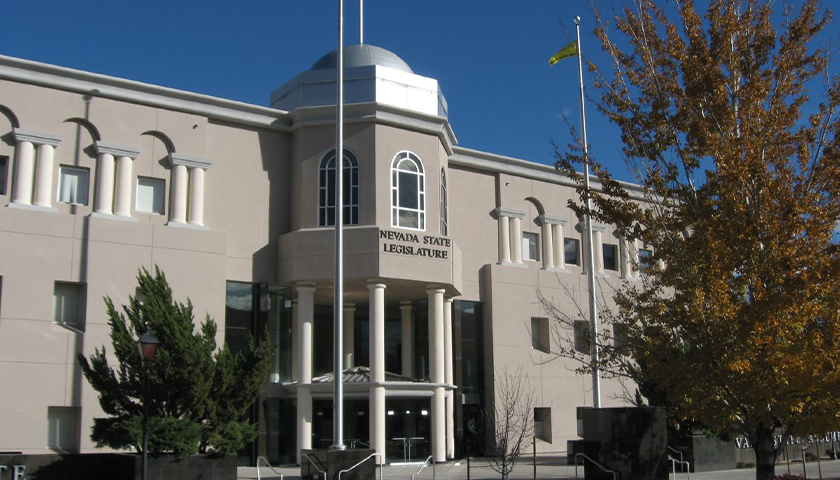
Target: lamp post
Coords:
[(147, 345)]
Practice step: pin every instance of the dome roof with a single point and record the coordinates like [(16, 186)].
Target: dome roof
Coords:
[(362, 56)]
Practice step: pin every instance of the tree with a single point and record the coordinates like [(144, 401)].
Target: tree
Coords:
[(198, 395), (736, 317), (504, 432)]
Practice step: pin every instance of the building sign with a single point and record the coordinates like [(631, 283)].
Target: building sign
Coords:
[(16, 472), (829, 437), (415, 244)]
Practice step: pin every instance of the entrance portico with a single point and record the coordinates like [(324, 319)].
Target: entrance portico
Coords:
[(428, 381)]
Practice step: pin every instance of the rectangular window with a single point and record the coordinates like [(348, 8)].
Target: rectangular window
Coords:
[(150, 195), (619, 336), (63, 429), (582, 337), (610, 257), (4, 174), (530, 242), (73, 185), (645, 258), (571, 247), (540, 338), (542, 423), (68, 304)]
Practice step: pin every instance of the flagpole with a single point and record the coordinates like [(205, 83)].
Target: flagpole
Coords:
[(590, 267), (338, 303), (361, 22)]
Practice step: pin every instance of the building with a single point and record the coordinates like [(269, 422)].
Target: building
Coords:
[(446, 248)]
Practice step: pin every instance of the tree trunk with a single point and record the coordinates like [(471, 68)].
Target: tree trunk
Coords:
[(765, 454)]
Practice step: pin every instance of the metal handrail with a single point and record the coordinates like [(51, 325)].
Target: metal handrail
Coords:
[(378, 464), (269, 466), (434, 472), (678, 453), (306, 456), (353, 443), (595, 463), (674, 463)]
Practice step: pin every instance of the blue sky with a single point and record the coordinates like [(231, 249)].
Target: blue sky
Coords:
[(490, 56)]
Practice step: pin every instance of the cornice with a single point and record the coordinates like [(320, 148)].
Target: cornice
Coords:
[(116, 150), (37, 138), (189, 161)]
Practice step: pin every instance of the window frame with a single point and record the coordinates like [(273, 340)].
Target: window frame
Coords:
[(576, 242), (540, 336), (162, 184), (542, 424), (80, 291), (70, 168), (4, 174), (536, 253), (615, 257), (645, 260), (583, 344), (57, 417), (396, 174), (327, 168)]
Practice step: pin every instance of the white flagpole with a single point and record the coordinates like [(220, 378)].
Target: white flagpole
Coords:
[(361, 22), (590, 263), (338, 303)]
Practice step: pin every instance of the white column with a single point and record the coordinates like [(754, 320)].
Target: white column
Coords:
[(407, 337), (559, 246), (504, 239), (44, 176), (448, 377), (178, 195), (598, 249), (625, 256), (348, 339), (547, 243), (436, 370), (196, 196), (24, 168), (516, 239), (305, 318), (122, 200), (104, 184), (376, 307)]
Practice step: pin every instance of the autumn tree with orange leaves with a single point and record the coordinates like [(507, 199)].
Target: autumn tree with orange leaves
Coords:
[(731, 120)]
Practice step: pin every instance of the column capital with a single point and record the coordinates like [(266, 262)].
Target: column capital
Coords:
[(37, 138), (448, 299), (509, 212), (305, 286), (546, 219), (598, 227), (116, 150), (375, 283), (435, 289), (189, 161), (349, 305), (406, 305)]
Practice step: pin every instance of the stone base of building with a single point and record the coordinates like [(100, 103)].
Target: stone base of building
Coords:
[(332, 462), (118, 466)]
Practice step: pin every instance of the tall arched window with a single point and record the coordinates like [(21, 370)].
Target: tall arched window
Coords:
[(326, 190), (408, 192), (444, 205)]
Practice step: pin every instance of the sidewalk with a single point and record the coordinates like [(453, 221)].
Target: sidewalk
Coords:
[(546, 470)]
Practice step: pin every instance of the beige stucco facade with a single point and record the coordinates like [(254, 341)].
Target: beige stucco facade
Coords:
[(240, 189)]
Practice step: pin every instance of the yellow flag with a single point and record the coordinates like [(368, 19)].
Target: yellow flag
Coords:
[(569, 50)]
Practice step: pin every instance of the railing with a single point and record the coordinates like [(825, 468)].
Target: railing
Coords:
[(354, 443), (674, 463), (269, 466), (594, 463), (678, 453), (306, 456), (379, 464), (425, 464)]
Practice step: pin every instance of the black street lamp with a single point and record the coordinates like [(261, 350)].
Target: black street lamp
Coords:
[(147, 344)]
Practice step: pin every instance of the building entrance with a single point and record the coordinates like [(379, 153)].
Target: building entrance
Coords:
[(408, 429)]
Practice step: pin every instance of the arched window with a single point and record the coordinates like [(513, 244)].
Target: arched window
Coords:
[(326, 190), (444, 217), (408, 192)]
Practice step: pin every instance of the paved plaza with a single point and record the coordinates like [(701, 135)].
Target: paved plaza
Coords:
[(546, 469)]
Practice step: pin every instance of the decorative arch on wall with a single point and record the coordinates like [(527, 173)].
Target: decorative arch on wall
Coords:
[(167, 142), (537, 204), (13, 121), (91, 128)]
